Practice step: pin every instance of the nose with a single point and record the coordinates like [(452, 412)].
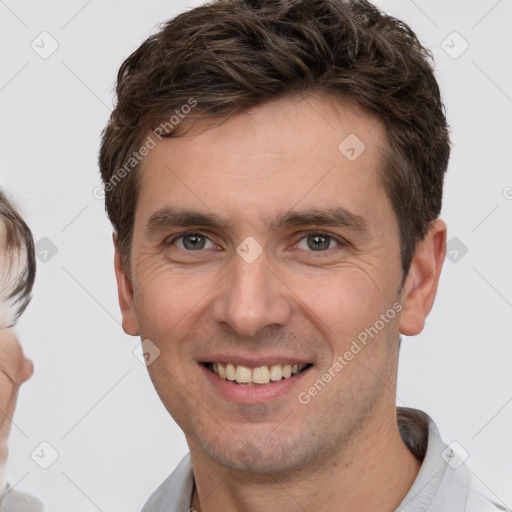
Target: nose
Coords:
[(251, 297)]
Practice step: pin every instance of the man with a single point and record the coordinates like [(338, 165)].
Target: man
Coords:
[(17, 274), (273, 171)]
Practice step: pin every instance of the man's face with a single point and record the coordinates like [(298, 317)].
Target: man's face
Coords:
[(321, 265)]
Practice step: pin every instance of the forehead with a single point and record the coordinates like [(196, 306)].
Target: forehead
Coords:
[(308, 151), (301, 127)]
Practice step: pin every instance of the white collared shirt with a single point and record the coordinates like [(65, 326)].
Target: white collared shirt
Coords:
[(443, 484)]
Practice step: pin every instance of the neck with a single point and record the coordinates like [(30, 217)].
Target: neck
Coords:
[(373, 473)]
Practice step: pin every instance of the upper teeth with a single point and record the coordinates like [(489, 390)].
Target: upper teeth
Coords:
[(259, 375)]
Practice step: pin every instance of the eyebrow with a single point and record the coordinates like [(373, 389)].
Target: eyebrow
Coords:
[(171, 217), (339, 217), (167, 218)]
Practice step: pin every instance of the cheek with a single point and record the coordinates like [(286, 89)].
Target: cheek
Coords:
[(346, 305), (168, 306), (167, 312), (6, 390)]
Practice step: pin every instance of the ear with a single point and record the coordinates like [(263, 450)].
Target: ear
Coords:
[(125, 294), (420, 287)]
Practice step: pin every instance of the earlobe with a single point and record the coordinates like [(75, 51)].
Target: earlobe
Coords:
[(125, 294), (420, 287)]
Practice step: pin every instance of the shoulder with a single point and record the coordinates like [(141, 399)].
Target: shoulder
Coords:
[(444, 483), (478, 502), (174, 494), (15, 501)]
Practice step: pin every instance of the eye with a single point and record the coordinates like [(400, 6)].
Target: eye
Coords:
[(193, 242), (317, 242)]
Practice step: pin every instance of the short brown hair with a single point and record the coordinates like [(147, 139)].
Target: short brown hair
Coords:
[(17, 264), (229, 56)]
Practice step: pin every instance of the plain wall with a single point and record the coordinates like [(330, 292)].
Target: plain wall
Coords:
[(90, 398)]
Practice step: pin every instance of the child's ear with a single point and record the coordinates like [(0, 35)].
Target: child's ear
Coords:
[(420, 287), (125, 293)]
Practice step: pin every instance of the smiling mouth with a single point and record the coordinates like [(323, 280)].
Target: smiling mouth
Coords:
[(259, 376)]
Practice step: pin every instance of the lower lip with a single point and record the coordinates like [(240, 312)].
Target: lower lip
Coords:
[(255, 394)]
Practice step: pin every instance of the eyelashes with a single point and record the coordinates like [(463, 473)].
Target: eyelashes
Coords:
[(195, 241), (320, 237)]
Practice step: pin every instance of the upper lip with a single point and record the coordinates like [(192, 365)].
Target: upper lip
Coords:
[(253, 362)]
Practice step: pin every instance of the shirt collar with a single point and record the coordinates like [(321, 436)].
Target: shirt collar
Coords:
[(442, 477)]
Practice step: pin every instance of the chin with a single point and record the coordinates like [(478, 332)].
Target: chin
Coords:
[(260, 455)]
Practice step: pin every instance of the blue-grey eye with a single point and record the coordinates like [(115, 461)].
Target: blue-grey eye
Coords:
[(193, 242), (317, 242)]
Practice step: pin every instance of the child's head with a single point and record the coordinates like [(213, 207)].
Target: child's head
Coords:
[(17, 264)]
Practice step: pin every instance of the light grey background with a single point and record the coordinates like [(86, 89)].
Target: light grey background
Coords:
[(90, 398)]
